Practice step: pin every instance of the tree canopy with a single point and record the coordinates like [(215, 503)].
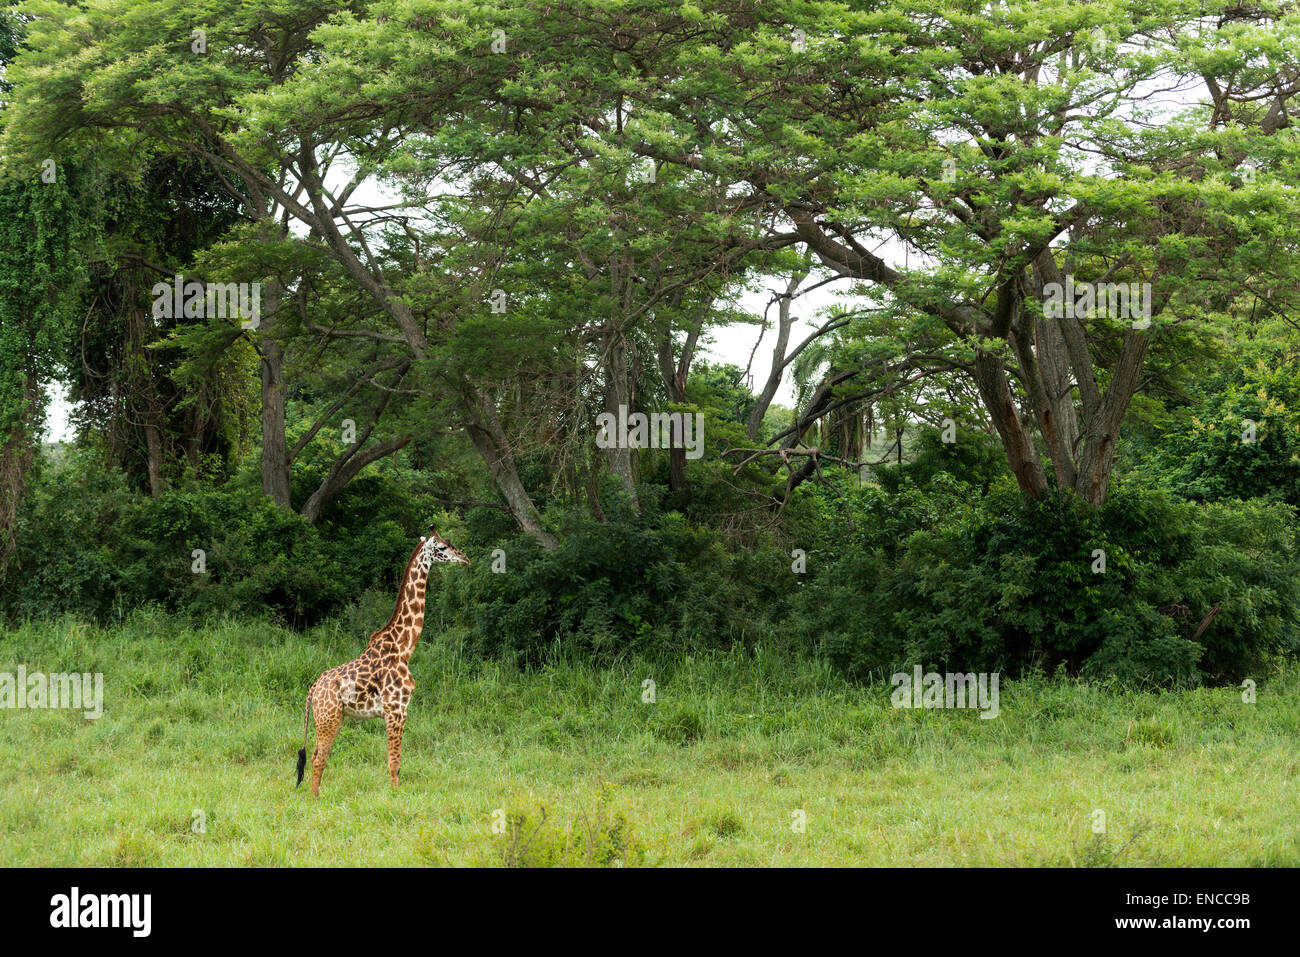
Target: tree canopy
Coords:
[(1064, 232)]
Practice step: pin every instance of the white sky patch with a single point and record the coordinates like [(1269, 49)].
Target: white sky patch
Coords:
[(58, 413)]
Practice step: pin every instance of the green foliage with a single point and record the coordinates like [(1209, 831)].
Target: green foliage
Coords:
[(1011, 585), (40, 224), (719, 389), (89, 545), (132, 374), (977, 460), (1241, 437), (637, 583)]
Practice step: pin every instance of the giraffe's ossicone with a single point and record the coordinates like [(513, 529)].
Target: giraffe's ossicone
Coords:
[(378, 683)]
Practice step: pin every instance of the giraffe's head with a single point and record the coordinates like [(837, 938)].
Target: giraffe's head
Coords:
[(435, 548)]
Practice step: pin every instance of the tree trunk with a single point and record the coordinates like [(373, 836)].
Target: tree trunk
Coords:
[(618, 393), (675, 374), (355, 457), (779, 359), (1048, 352), (343, 471), (991, 380), (1102, 424), (493, 447), (153, 445), (275, 457), (141, 391), (15, 462)]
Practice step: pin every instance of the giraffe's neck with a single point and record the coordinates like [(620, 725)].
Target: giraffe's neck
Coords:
[(408, 617)]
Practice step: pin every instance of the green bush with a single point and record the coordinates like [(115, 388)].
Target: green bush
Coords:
[(1010, 586), (89, 546), (1211, 455), (977, 460), (940, 573), (641, 583)]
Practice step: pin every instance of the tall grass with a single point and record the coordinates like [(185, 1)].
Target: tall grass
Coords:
[(569, 765)]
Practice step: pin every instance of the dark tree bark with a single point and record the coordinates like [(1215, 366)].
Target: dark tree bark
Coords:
[(15, 463), (275, 457), (154, 452), (674, 374), (493, 447), (343, 471), (356, 456)]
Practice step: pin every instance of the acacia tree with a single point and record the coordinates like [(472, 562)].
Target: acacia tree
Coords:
[(954, 159), (268, 99), (223, 91), (954, 162)]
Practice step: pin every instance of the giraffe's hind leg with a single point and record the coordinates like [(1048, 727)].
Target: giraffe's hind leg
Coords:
[(327, 708), (394, 720)]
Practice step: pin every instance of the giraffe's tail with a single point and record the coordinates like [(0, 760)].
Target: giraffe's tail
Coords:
[(302, 752)]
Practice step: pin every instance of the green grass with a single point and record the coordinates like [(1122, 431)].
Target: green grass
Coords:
[(574, 768)]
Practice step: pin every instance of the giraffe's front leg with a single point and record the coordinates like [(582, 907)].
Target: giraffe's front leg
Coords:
[(395, 720)]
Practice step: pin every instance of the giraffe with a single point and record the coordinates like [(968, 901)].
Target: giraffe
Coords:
[(378, 683)]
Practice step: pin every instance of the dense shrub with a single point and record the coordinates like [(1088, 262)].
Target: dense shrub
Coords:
[(88, 545), (1239, 439), (644, 582), (1008, 585), (978, 460), (937, 572)]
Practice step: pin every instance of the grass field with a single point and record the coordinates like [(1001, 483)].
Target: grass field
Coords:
[(713, 773)]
